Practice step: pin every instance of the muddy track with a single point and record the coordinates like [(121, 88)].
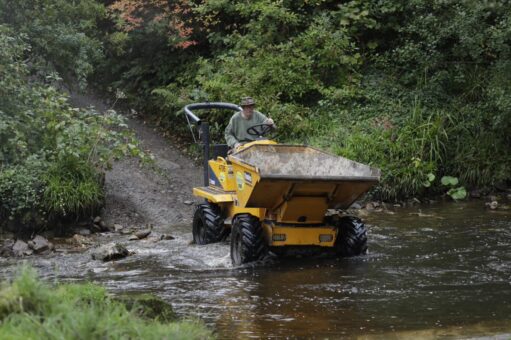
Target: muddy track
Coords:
[(155, 194)]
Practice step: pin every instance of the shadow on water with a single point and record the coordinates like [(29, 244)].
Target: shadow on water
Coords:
[(443, 271)]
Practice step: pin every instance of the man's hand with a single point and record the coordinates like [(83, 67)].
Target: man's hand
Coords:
[(270, 122), (237, 145)]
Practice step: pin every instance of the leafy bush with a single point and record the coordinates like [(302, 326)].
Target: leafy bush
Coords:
[(415, 88), (51, 154), (63, 35), (30, 308)]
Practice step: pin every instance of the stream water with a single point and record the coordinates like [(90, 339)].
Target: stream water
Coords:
[(441, 271)]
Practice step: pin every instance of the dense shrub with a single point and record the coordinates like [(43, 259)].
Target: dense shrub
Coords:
[(62, 35), (418, 88), (51, 154)]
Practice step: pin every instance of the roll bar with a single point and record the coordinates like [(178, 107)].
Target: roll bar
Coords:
[(203, 126)]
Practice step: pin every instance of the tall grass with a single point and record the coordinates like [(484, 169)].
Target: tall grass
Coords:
[(32, 309)]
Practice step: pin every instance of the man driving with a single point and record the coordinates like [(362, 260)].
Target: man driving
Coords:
[(236, 132)]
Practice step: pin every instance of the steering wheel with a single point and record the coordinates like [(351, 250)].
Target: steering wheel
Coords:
[(260, 130)]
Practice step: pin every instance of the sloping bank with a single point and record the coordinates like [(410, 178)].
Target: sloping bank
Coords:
[(33, 309)]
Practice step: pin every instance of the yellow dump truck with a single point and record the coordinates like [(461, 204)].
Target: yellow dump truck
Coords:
[(276, 197)]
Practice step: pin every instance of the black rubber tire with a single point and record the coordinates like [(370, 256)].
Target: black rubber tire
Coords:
[(352, 237), (208, 225), (247, 240)]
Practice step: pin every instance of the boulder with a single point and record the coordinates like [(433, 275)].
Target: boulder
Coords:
[(356, 205), (140, 234), (83, 232), (493, 205), (96, 228), (109, 252), (167, 237), (104, 226), (39, 244), (6, 248), (20, 248), (118, 227)]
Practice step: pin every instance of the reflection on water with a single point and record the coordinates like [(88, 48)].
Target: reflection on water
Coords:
[(444, 271)]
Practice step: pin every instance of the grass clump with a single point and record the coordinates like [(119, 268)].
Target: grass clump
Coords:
[(32, 309)]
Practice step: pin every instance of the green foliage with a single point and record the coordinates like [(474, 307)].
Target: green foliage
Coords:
[(449, 181), (63, 34), (51, 155), (417, 88), (30, 309), (456, 193)]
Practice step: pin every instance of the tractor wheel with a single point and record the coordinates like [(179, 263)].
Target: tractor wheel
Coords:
[(351, 238), (208, 225), (247, 240)]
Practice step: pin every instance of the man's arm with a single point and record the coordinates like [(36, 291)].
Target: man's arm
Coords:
[(264, 120), (230, 138)]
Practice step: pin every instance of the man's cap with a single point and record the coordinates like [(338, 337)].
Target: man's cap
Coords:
[(247, 101)]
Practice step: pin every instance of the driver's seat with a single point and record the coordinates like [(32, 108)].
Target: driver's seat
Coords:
[(219, 150)]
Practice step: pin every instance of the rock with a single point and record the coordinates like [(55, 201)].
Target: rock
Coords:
[(96, 228), (140, 234), (509, 197), (39, 244), (104, 226), (20, 248), (167, 237), (356, 205), (397, 205), (97, 219), (133, 238), (83, 232), (109, 252), (6, 248), (81, 241), (370, 206), (118, 227), (493, 205), (153, 239), (188, 202)]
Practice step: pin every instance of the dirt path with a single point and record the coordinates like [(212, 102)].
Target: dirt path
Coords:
[(137, 195)]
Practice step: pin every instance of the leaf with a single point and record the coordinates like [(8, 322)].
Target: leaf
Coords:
[(449, 181), (457, 193), (431, 177)]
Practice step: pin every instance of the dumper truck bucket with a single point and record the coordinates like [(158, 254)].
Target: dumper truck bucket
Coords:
[(268, 176)]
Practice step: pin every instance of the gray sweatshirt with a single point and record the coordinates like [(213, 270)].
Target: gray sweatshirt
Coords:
[(236, 131)]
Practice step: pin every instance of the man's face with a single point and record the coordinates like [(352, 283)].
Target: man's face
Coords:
[(248, 111)]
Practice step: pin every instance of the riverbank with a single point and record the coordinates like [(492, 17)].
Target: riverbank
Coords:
[(31, 308)]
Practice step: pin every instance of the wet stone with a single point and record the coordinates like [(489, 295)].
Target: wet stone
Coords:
[(20, 248), (83, 232), (140, 234), (6, 248), (109, 252), (39, 244)]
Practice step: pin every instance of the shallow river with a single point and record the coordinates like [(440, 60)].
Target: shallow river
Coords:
[(443, 270)]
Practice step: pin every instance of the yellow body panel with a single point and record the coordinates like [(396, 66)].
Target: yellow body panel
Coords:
[(213, 194), (300, 236), (303, 210)]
